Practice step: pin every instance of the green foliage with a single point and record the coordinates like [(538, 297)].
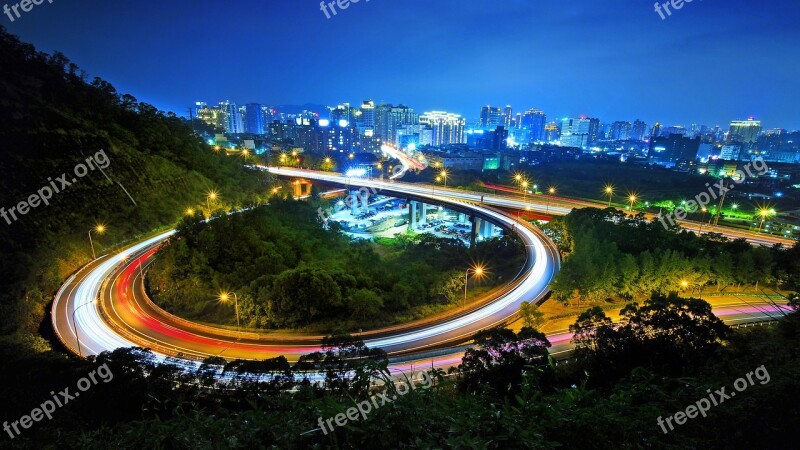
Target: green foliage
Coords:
[(290, 272), (52, 120), (619, 256), (667, 333)]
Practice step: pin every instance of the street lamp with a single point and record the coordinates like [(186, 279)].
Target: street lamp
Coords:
[(75, 326), (99, 229), (444, 177), (224, 297), (632, 199), (189, 211), (764, 213), (610, 191), (703, 222), (550, 191), (478, 271), (211, 195)]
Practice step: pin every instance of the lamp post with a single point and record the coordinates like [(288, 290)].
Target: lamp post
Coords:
[(75, 326), (212, 195), (610, 191), (478, 271), (223, 297), (703, 222), (632, 200), (550, 191), (444, 177), (99, 229)]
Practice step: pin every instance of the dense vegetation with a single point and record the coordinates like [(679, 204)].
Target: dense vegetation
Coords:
[(611, 255), (508, 393), (53, 119), (288, 271)]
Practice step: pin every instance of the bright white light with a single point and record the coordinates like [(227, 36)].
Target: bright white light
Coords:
[(324, 122), (343, 123), (356, 172), (412, 146)]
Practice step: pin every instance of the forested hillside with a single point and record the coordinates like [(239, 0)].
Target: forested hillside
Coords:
[(54, 117)]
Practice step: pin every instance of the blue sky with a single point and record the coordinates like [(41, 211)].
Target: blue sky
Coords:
[(710, 62)]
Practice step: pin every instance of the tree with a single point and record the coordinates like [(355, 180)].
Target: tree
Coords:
[(531, 316), (499, 358), (364, 303)]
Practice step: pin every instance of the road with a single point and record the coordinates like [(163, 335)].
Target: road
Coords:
[(104, 306)]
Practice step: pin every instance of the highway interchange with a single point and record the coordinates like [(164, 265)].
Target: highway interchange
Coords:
[(104, 305)]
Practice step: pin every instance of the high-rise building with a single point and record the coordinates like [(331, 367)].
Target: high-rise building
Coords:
[(656, 131), (389, 119), (253, 118), (212, 116), (491, 117), (448, 128), (638, 130), (744, 131), (673, 150), (534, 121), (577, 132), (508, 117), (233, 118), (552, 132), (367, 119), (595, 130), (730, 152), (620, 131)]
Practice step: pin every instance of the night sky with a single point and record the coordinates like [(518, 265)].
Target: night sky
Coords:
[(710, 62)]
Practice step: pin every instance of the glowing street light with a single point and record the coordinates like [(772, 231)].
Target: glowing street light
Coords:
[(632, 199), (224, 297), (444, 177), (478, 272), (189, 212), (551, 190), (211, 196), (684, 284), (99, 229), (609, 189)]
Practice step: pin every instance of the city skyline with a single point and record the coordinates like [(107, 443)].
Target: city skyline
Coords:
[(614, 62)]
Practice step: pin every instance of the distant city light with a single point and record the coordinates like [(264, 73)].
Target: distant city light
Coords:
[(343, 123), (412, 146), (324, 122)]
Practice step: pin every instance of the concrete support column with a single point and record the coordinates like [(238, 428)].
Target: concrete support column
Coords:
[(475, 222), (486, 233), (353, 204), (364, 200), (423, 216), (412, 215)]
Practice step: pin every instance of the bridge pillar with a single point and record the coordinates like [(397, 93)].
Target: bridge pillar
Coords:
[(487, 230), (365, 200), (475, 222), (353, 204), (412, 215), (423, 214)]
